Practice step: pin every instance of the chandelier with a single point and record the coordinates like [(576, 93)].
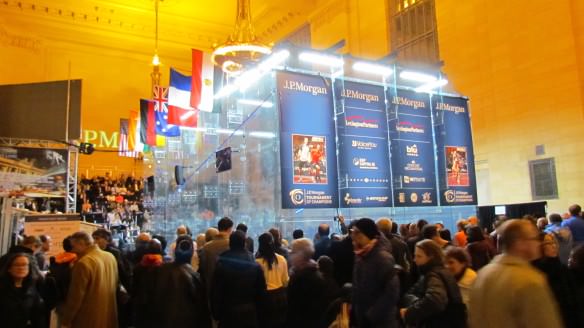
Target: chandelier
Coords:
[(242, 47)]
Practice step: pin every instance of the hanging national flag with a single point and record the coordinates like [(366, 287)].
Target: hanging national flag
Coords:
[(134, 143), (202, 81), (180, 111), (147, 122), (161, 112), (123, 149)]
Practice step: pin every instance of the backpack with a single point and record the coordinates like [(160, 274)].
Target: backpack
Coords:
[(455, 313)]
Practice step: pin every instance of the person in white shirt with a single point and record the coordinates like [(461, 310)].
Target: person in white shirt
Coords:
[(275, 270), (458, 261)]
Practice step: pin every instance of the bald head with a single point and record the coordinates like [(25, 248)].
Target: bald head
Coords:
[(324, 230), (181, 230), (520, 238)]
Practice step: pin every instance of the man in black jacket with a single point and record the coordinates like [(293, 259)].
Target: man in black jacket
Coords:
[(238, 286), (375, 284)]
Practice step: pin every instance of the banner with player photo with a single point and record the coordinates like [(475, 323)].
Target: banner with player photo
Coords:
[(412, 148), (454, 151), (307, 141), (365, 173)]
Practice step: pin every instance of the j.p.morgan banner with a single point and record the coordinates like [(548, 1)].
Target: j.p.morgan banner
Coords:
[(390, 145), (363, 145), (307, 142), (454, 151), (412, 148)]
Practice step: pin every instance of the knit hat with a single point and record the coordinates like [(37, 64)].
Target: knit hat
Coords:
[(184, 250), (367, 227)]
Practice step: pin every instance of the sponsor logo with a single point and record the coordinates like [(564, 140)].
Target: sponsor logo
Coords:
[(364, 164), (413, 166), (379, 199), (450, 108), (300, 86), (412, 150), (348, 93), (408, 179), (426, 198), (405, 126), (358, 121), (402, 197), (350, 201), (363, 145), (297, 196), (414, 197), (457, 196), (403, 101)]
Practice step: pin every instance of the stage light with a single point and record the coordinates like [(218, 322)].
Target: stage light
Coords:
[(248, 78), (326, 60), (251, 76), (428, 87), (86, 148), (372, 68), (417, 76), (254, 102), (263, 135), (275, 60)]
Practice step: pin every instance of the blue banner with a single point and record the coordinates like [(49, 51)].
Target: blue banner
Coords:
[(307, 141), (365, 173), (412, 148), (454, 151)]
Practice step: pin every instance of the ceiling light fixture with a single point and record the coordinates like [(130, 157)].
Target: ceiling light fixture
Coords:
[(417, 76), (428, 87), (372, 68), (326, 60), (242, 47)]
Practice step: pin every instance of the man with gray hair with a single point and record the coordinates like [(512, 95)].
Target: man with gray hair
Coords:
[(91, 300), (509, 292)]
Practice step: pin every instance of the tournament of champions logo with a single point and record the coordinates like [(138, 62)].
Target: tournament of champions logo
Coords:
[(297, 196), (458, 196), (310, 197)]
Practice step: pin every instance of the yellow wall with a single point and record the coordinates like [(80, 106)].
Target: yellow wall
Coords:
[(362, 24), (113, 81), (519, 63)]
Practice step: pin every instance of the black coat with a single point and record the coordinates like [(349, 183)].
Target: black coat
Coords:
[(143, 297), (176, 298), (565, 289), (375, 287), (237, 290), (307, 298), (341, 252), (21, 307), (427, 301)]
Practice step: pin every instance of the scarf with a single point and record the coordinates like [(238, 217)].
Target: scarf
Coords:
[(366, 249), (65, 257), (151, 260)]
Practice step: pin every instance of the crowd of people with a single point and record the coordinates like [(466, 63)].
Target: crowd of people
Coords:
[(526, 273), (115, 202)]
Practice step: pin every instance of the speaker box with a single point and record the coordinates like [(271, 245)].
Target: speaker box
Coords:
[(179, 176), (150, 183)]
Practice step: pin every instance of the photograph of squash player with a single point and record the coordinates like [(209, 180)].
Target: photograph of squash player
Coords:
[(309, 159), (456, 166)]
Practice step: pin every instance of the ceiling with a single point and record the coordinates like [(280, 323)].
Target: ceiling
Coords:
[(129, 25)]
